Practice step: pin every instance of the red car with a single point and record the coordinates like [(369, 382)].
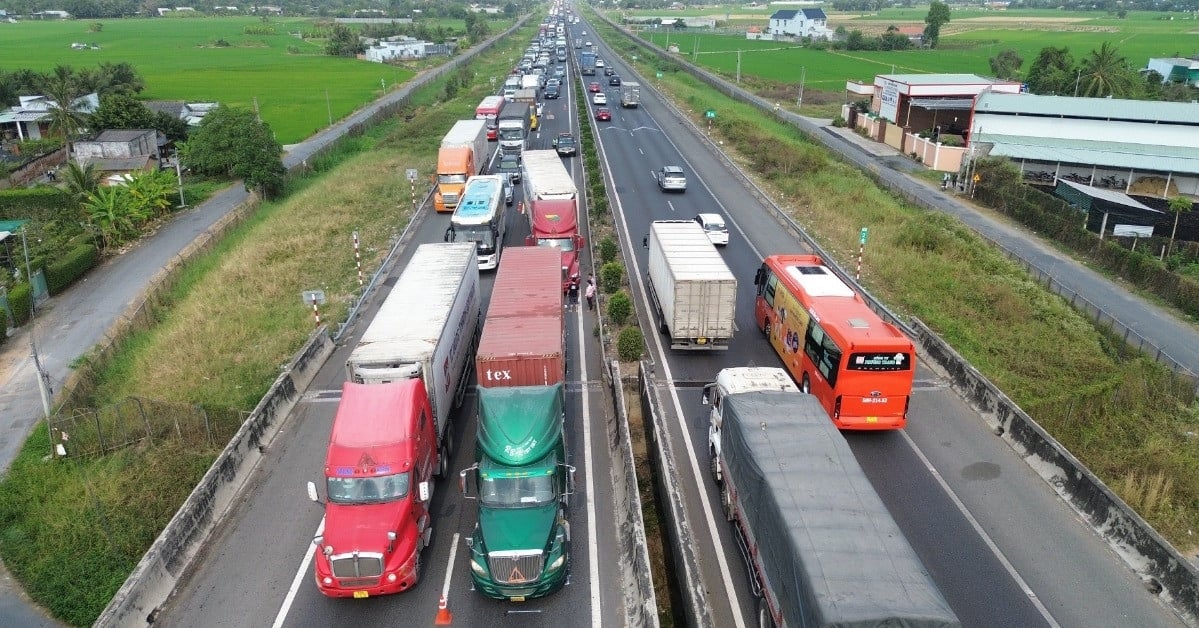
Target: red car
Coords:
[(593, 87), (603, 114)]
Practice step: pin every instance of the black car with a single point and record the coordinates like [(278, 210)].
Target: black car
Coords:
[(615, 80), (552, 92), (565, 144), (509, 165), (609, 70)]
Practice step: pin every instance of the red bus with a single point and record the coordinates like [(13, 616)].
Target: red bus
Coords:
[(489, 110), (859, 367)]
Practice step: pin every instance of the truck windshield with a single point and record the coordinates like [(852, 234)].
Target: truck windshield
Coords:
[(451, 178), (376, 490), (505, 492), (475, 233), (512, 134), (566, 244)]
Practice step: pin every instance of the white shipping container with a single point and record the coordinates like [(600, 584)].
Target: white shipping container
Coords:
[(694, 291), (427, 327), (546, 178)]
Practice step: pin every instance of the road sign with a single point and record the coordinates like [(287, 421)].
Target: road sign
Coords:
[(711, 113), (862, 236), (659, 75), (314, 296), (412, 174)]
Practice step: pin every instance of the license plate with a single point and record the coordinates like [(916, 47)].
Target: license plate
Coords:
[(517, 598), (358, 595), (872, 419), (702, 341)]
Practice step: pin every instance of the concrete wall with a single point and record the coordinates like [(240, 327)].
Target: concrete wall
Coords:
[(137, 601), (935, 155)]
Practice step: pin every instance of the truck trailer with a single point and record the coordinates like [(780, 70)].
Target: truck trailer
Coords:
[(693, 292), (427, 328), (522, 339), (463, 154), (514, 124), (553, 210), (587, 63), (378, 481), (822, 548), (630, 94)]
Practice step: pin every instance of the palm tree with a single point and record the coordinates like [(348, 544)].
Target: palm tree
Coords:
[(1105, 73), (1179, 205), (62, 87), (81, 181)]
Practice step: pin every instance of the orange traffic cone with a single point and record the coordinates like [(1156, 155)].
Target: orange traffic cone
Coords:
[(444, 616)]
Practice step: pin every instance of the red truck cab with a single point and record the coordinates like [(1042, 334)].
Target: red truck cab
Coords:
[(378, 472), (555, 223)]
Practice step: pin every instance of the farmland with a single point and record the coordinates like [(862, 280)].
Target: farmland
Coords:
[(297, 87), (967, 43)]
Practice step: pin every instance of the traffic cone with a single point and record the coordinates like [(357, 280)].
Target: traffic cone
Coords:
[(444, 616)]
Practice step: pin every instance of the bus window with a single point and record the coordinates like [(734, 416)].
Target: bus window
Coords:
[(823, 352)]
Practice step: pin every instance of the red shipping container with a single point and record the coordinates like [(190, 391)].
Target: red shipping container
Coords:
[(522, 341)]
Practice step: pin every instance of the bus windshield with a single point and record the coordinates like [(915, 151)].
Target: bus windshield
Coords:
[(375, 490), (475, 233), (509, 492)]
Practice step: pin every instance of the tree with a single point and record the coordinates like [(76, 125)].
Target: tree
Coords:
[(231, 141), (938, 16), (1179, 205), (343, 42), (62, 87), (121, 111), (1006, 64), (1052, 72), (81, 181), (1106, 73)]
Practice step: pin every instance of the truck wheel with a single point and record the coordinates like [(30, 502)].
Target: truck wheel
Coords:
[(806, 387), (714, 466), (726, 502), (664, 328), (766, 328), (764, 618), (443, 466)]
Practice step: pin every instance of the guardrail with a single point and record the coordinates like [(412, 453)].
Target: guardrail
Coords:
[(1145, 551)]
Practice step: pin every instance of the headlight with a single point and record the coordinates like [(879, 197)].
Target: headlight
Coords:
[(479, 569), (557, 563)]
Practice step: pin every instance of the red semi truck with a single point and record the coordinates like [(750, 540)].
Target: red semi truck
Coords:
[(378, 475), (552, 204), (522, 338)]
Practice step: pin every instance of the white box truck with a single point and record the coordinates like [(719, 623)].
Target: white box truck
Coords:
[(427, 328), (630, 94), (693, 292)]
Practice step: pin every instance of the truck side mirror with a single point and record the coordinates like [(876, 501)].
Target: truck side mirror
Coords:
[(449, 235), (312, 492), (707, 396), (758, 277), (645, 241), (422, 491), (530, 241), (579, 241), (391, 541), (462, 480), (570, 479)]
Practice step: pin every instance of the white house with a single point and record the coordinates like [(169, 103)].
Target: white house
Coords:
[(400, 47), (30, 119), (800, 23)]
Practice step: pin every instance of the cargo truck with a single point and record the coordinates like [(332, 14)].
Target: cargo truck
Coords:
[(463, 154), (587, 63), (692, 290), (489, 110), (426, 329), (529, 97), (521, 343), (630, 94), (514, 124), (821, 547), (520, 547), (378, 481), (551, 199)]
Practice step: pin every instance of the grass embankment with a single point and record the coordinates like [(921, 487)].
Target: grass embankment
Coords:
[(1114, 412), (71, 531)]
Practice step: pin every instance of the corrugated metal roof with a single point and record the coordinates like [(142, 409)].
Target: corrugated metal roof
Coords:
[(1119, 198), (22, 116), (1140, 157), (942, 79), (943, 103), (1092, 108)]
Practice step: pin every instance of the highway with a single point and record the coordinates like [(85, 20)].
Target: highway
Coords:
[(257, 570), (1001, 545)]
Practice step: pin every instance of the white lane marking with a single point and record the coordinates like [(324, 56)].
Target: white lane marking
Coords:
[(640, 151), (589, 469), (449, 569), (295, 582), (674, 394), (978, 529), (670, 205)]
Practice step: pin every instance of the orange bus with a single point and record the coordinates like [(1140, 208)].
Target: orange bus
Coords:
[(859, 367)]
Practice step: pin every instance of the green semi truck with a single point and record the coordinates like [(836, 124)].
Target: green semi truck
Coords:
[(520, 548)]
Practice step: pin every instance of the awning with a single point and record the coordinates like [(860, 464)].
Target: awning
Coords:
[(1117, 198), (943, 103)]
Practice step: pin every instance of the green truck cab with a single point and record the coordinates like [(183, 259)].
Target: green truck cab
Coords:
[(520, 548)]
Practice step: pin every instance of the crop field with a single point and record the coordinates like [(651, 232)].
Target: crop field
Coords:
[(297, 87), (966, 46)]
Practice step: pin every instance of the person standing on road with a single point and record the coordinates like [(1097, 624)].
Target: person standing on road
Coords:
[(590, 294)]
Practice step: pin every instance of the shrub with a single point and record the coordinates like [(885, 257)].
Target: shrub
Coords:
[(37, 203), (629, 344), (75, 264), (620, 307), (610, 275), (20, 301), (607, 250), (839, 121)]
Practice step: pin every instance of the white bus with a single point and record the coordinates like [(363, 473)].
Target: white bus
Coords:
[(479, 218)]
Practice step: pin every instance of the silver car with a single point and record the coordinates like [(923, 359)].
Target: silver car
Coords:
[(671, 178)]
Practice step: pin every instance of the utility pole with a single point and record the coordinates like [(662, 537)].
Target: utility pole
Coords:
[(328, 107), (1077, 80), (43, 378), (738, 67), (179, 178), (803, 75)]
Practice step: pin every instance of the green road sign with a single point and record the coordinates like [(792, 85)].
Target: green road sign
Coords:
[(862, 236), (711, 113), (659, 75)]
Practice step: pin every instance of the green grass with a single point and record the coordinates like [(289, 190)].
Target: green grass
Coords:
[(178, 61), (1113, 411), (71, 531)]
